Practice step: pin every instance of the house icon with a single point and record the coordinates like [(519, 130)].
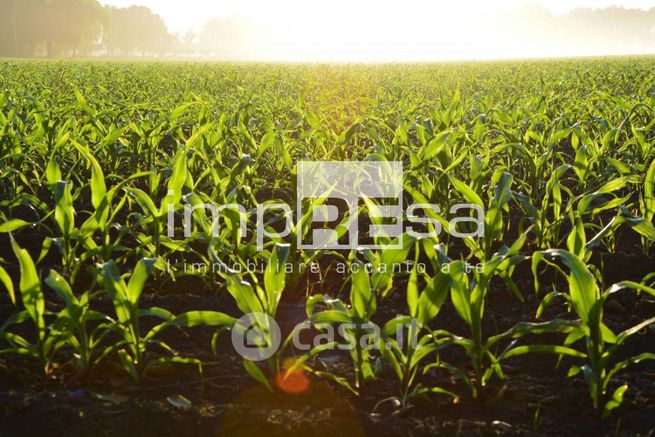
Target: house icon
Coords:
[(255, 338)]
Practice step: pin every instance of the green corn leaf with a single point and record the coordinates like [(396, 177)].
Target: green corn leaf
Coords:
[(13, 225), (111, 137), (176, 182), (627, 362), (649, 194), (267, 141), (202, 318), (581, 162), (157, 312), (544, 349), (82, 102), (195, 137), (275, 273), (128, 364), (9, 285), (61, 287), (30, 287), (573, 371), (460, 293), (331, 316), (611, 186), (466, 191), (615, 401), (432, 298), (98, 187), (420, 391), (624, 335), (361, 298), (117, 291), (386, 348), (177, 112), (256, 373), (582, 284), (577, 240), (138, 279), (53, 174), (391, 256), (412, 292), (244, 295), (144, 201), (64, 212)]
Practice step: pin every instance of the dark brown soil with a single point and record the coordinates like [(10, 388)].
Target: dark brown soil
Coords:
[(536, 398)]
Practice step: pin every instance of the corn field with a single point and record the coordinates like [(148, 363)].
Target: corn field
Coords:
[(543, 325)]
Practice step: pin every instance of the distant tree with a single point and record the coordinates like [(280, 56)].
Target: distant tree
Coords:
[(189, 40), (29, 26), (8, 36), (184, 43), (73, 24), (226, 36), (136, 30)]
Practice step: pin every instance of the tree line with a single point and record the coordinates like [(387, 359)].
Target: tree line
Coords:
[(70, 28), (79, 28)]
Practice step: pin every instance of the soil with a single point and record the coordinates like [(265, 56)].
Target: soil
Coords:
[(535, 398)]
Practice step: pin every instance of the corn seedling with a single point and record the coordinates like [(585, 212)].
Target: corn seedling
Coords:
[(78, 318), (134, 345), (49, 337), (261, 304), (601, 344), (354, 318), (405, 353)]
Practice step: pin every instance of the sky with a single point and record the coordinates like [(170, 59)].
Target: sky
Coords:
[(182, 15), (369, 30)]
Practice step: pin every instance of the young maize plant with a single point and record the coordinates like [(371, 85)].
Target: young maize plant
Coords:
[(404, 353), (647, 205), (261, 305), (380, 282), (84, 328), (355, 320), (545, 212), (383, 262), (49, 337), (494, 223), (468, 292), (77, 245), (105, 212), (133, 348), (601, 343), (300, 259), (606, 198), (154, 219)]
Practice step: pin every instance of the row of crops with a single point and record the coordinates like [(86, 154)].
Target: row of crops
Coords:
[(559, 155)]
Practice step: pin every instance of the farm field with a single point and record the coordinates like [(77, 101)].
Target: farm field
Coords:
[(119, 305)]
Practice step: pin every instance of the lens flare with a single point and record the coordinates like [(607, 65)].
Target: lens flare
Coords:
[(295, 381)]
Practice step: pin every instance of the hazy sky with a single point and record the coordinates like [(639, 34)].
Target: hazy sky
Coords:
[(391, 30), (180, 15)]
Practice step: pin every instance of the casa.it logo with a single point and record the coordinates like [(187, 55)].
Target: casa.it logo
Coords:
[(256, 336)]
